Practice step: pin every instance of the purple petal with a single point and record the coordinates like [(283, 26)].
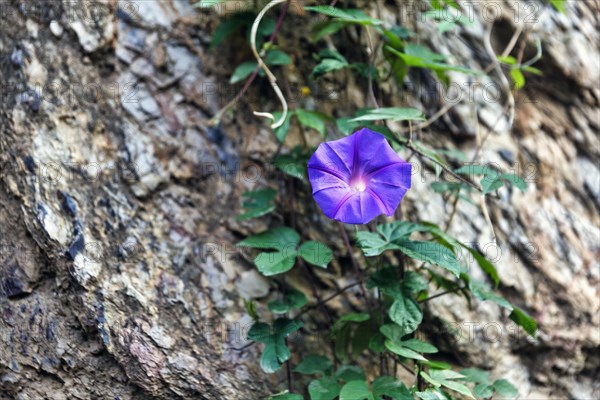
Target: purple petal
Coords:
[(359, 208), (357, 178), (324, 179), (334, 157), (389, 185), (374, 152), (332, 199)]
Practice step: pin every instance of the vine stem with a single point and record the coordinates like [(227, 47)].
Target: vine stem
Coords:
[(250, 80), (358, 273), (435, 296), (261, 64), (327, 299), (445, 168)]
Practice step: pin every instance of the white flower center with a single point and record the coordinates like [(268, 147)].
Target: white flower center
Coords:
[(359, 186)]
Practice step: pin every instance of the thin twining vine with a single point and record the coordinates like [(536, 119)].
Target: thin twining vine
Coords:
[(409, 264)]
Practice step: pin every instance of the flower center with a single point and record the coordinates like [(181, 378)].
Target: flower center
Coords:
[(359, 185)]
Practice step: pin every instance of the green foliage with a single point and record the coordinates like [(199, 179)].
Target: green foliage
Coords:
[(409, 263), (447, 379), (313, 119), (324, 389), (524, 320), (347, 16), (294, 299), (294, 163), (257, 203), (516, 70), (559, 5), (286, 396), (330, 60), (245, 69), (417, 56), (285, 242), (355, 390), (391, 113), (275, 352), (351, 331), (314, 364), (492, 179), (484, 388)]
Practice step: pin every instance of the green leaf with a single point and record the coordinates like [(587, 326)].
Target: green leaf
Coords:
[(387, 280), (559, 5), (418, 345), (242, 71), (257, 203), (277, 57), (444, 375), (349, 373), (422, 58), (477, 169), (483, 390), (403, 351), (208, 3), (245, 69), (446, 379), (260, 332), (361, 338), (377, 343), (328, 65), (350, 317), (524, 320), (484, 264), (313, 364), (279, 238), (327, 28), (393, 332), (316, 253), (406, 313), (430, 379), (355, 390), (436, 364), (273, 356), (458, 387), (414, 283), (328, 53), (275, 352), (505, 389), (475, 375), (286, 396), (282, 132), (313, 119), (430, 252), (372, 244), (390, 387), (510, 60), (431, 394), (277, 262), (392, 113), (330, 61), (352, 16), (229, 27), (290, 166), (482, 292), (515, 180), (399, 230), (294, 299), (324, 389)]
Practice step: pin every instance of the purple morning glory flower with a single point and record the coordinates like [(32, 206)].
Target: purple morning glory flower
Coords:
[(356, 178)]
